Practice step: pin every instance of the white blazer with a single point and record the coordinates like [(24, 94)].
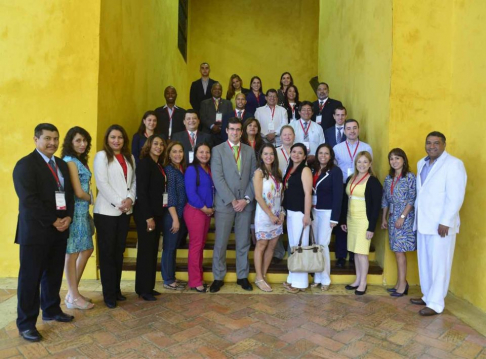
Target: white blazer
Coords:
[(440, 197), (112, 187)]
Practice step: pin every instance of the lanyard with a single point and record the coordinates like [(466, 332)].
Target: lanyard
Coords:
[(354, 153), (308, 127), (322, 106), (286, 180), (273, 112), (285, 156), (258, 98), (394, 183), (170, 119), (216, 104), (242, 114), (161, 169), (190, 139), (351, 188), (239, 150), (276, 183), (314, 180), (55, 176)]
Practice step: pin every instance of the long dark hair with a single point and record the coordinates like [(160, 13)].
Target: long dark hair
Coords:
[(291, 79), (231, 90), (125, 151), (400, 153), (303, 163), (258, 137), (148, 145), (167, 160), (251, 81), (274, 171), (196, 163), (317, 166), (67, 145), (296, 95), (142, 128)]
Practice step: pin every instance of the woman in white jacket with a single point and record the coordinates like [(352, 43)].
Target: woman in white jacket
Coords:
[(114, 170)]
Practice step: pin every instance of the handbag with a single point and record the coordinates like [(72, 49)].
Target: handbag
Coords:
[(308, 259), (91, 224)]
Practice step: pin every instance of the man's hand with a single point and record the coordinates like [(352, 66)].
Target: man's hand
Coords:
[(240, 205), (65, 222), (57, 223), (443, 230), (216, 128)]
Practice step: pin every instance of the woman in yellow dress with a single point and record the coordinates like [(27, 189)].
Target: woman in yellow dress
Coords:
[(361, 207)]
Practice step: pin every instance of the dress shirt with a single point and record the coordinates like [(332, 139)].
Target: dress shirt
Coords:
[(205, 85), (202, 195), (427, 168), (344, 160), (339, 131), (47, 159), (315, 132), (322, 102), (264, 116)]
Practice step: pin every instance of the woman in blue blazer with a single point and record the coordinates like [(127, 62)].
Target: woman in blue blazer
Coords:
[(327, 196), (255, 97)]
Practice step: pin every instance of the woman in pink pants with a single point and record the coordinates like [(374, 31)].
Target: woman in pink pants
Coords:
[(198, 212)]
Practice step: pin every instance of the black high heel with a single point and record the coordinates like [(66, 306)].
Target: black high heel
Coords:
[(396, 294), (359, 292), (391, 290), (351, 287)]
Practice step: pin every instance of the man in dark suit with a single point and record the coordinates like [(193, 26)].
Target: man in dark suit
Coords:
[(170, 118), (46, 208), (324, 107), (191, 137), (201, 89), (335, 134), (239, 112), (212, 112)]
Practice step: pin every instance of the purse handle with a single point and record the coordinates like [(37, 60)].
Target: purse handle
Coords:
[(312, 240)]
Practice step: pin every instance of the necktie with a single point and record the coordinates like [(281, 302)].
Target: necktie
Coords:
[(239, 114), (321, 105), (193, 138), (237, 158), (54, 169), (306, 134), (339, 135)]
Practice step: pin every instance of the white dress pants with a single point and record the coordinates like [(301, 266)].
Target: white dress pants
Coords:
[(435, 255), (321, 227), (294, 230)]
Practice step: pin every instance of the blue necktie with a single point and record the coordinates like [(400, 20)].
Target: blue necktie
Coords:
[(339, 135)]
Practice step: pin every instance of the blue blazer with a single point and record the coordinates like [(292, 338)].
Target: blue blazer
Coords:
[(330, 192), (251, 102), (224, 123), (330, 136)]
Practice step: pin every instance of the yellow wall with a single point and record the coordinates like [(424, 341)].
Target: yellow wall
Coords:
[(254, 37), (49, 73), (138, 59)]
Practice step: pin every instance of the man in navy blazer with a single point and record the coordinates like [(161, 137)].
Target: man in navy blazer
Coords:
[(170, 118), (46, 208), (324, 107), (201, 89), (335, 134), (239, 112)]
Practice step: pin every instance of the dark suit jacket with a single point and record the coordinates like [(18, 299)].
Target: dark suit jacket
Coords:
[(150, 189), (224, 126), (327, 112), (183, 137), (251, 101), (197, 95), (208, 112), (289, 111), (163, 120), (330, 192), (36, 186), (330, 136)]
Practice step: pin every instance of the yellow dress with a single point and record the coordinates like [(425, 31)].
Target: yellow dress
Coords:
[(357, 220)]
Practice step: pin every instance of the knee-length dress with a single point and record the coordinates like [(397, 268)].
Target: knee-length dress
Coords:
[(80, 236), (357, 221), (271, 193), (404, 193)]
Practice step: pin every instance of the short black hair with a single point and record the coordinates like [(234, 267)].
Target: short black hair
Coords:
[(340, 108), (234, 120), (270, 90), (191, 111), (306, 103), (44, 126), (323, 83), (436, 134), (350, 120)]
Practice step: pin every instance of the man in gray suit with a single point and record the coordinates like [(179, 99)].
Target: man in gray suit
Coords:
[(232, 166), (212, 112)]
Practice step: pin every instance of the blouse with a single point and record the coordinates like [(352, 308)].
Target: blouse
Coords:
[(176, 189), (202, 195)]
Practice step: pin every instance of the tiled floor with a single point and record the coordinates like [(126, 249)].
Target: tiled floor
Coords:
[(234, 323)]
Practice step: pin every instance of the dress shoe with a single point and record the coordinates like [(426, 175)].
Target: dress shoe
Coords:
[(417, 301), (110, 303), (244, 283), (147, 297), (32, 335), (154, 292), (351, 287), (61, 317), (341, 262), (120, 297), (360, 292), (216, 286), (391, 290), (427, 312), (398, 294)]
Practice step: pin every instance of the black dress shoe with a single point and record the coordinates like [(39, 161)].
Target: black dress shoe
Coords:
[(398, 294), (391, 290), (360, 292), (154, 292), (216, 286), (61, 317), (147, 297), (351, 287), (341, 262), (120, 297), (110, 303), (32, 335), (244, 283)]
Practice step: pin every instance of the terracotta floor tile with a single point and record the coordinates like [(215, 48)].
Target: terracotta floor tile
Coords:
[(356, 349), (298, 348), (347, 336), (468, 350), (9, 353)]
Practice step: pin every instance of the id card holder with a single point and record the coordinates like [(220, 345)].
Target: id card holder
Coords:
[(318, 119), (191, 156), (307, 145), (219, 117), (314, 200), (60, 200), (165, 199), (271, 127)]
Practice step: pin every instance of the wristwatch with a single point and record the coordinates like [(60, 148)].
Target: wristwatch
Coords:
[(247, 199), (402, 216)]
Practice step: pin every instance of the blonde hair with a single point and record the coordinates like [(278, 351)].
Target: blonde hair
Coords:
[(358, 156)]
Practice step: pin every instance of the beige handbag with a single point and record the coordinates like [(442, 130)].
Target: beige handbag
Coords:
[(309, 259)]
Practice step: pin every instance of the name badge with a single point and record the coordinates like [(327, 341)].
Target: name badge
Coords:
[(318, 119), (191, 156), (219, 117), (165, 199), (350, 171), (271, 127), (60, 201), (314, 200), (307, 145)]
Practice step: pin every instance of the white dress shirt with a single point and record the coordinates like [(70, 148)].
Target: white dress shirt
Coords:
[(280, 118), (315, 132)]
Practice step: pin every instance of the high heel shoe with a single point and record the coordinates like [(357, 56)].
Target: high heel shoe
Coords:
[(351, 287), (74, 304), (391, 290), (359, 292), (396, 294)]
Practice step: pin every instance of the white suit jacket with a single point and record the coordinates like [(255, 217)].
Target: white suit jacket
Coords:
[(112, 187), (440, 197)]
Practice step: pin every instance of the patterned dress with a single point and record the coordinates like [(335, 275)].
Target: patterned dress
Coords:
[(80, 236), (404, 193), (264, 228)]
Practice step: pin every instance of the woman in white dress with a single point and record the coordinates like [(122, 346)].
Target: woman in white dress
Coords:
[(269, 216)]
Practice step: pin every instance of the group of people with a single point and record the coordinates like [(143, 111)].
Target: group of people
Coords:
[(250, 161)]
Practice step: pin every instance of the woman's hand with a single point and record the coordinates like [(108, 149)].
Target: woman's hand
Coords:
[(281, 218), (399, 223), (333, 224), (384, 224), (369, 235), (306, 221), (150, 225), (175, 226), (344, 227), (274, 219)]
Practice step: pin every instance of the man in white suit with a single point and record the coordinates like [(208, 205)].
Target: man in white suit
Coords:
[(441, 185)]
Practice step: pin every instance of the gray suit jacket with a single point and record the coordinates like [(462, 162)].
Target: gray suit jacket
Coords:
[(208, 112), (228, 182)]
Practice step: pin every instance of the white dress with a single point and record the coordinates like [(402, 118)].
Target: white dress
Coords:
[(264, 228)]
